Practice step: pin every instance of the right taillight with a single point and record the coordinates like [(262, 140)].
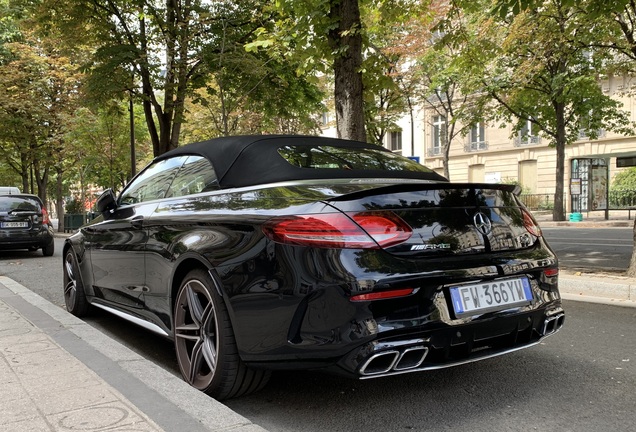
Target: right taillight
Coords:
[(45, 217), (362, 230), (530, 224)]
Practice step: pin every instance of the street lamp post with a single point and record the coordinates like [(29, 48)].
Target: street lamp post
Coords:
[(133, 169)]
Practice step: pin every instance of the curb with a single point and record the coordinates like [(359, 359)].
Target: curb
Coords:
[(587, 224), (592, 288), (166, 399)]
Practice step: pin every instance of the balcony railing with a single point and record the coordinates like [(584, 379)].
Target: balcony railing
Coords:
[(434, 151), (476, 146), (527, 140), (584, 133)]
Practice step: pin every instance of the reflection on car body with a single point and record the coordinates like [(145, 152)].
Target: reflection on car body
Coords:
[(260, 253)]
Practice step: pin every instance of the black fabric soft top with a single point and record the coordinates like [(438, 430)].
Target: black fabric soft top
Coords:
[(254, 159)]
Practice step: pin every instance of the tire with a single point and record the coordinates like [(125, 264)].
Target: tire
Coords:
[(49, 249), (205, 344), (74, 294)]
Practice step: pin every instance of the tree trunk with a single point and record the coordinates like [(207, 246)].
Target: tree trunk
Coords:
[(631, 271), (59, 200), (346, 41), (558, 213), (447, 136), (24, 174)]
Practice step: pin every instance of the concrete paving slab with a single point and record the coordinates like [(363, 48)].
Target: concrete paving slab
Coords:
[(64, 375)]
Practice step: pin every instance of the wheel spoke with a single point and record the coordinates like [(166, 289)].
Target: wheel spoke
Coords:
[(187, 332), (195, 361), (70, 289), (207, 319), (195, 306), (69, 268), (209, 353)]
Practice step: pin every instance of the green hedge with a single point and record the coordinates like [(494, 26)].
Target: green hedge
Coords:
[(622, 198)]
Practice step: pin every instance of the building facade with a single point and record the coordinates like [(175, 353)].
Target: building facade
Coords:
[(489, 153)]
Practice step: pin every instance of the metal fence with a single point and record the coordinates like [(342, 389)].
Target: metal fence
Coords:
[(538, 201), (617, 199)]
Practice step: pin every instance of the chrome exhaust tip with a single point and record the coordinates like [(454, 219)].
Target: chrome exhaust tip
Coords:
[(411, 358), (380, 363), (394, 361), (553, 324)]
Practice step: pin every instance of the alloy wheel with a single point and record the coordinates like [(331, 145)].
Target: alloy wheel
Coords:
[(196, 334), (70, 279)]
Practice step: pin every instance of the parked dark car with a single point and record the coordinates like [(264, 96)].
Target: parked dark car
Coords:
[(25, 224), (264, 253)]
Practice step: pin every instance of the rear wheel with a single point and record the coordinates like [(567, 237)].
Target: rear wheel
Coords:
[(49, 249), (205, 344), (74, 295)]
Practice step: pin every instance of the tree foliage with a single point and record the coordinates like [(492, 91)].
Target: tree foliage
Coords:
[(538, 67), (163, 52), (39, 87), (98, 147), (321, 36)]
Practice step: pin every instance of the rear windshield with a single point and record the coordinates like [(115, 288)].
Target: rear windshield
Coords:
[(308, 156), (8, 203)]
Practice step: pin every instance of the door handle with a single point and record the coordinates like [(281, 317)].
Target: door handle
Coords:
[(137, 222)]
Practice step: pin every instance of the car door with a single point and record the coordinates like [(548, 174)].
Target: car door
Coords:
[(117, 244)]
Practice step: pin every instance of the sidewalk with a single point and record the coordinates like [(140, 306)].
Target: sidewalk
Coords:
[(58, 373), (617, 218)]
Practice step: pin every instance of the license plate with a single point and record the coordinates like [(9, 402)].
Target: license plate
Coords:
[(14, 224), (490, 296)]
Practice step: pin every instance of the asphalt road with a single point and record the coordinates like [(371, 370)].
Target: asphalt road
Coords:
[(609, 249), (581, 379)]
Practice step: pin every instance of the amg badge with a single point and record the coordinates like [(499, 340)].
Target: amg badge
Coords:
[(431, 246)]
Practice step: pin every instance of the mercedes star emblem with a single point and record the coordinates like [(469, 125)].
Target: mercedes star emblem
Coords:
[(482, 223)]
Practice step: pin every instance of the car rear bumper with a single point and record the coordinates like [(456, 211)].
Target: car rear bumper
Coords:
[(433, 346), (25, 240), (454, 346)]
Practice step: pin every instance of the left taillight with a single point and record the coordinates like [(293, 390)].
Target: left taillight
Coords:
[(45, 217), (362, 230)]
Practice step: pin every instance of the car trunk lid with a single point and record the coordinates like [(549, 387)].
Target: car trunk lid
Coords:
[(449, 219)]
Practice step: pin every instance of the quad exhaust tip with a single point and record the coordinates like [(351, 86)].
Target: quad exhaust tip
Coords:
[(394, 360), (401, 360), (552, 324)]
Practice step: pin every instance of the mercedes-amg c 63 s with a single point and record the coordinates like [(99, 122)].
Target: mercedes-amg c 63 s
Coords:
[(261, 253)]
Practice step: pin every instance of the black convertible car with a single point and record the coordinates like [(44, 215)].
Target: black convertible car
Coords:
[(259, 253)]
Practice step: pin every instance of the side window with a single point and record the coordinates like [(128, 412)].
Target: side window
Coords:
[(195, 176), (153, 182)]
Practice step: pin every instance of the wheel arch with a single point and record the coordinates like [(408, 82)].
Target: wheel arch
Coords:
[(79, 252), (185, 265)]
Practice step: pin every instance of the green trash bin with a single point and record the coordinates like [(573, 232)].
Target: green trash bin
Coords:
[(73, 221)]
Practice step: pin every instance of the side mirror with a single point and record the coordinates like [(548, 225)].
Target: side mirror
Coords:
[(106, 202)]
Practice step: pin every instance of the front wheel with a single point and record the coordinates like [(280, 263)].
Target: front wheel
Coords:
[(205, 344)]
